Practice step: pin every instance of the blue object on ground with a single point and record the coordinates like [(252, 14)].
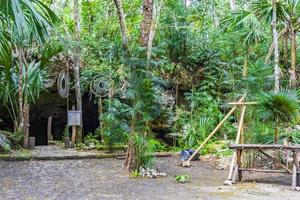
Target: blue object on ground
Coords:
[(186, 154)]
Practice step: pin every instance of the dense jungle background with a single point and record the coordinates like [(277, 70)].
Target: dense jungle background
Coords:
[(149, 75)]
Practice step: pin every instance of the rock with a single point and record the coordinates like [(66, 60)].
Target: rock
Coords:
[(5, 144), (185, 164), (151, 173), (228, 182)]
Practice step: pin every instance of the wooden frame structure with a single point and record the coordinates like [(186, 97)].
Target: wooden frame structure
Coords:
[(236, 167)]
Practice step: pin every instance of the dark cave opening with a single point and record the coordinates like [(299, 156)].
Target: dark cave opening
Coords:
[(51, 104)]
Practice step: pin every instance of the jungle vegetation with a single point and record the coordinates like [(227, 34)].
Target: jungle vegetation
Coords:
[(161, 64)]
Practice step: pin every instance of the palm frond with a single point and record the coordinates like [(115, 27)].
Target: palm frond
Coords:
[(281, 106)]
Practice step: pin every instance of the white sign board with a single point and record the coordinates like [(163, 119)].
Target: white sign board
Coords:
[(74, 118)]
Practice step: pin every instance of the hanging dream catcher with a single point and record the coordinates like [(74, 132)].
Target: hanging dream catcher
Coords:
[(100, 87), (63, 84)]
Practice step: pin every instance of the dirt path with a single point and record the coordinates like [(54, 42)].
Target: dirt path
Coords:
[(103, 180)]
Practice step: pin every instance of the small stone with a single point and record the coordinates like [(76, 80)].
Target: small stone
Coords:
[(185, 164), (228, 182)]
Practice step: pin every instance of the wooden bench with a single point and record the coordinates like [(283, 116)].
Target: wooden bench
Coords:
[(295, 149)]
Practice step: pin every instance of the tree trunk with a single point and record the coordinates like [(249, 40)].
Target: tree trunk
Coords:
[(146, 22), (293, 77), (232, 4), (276, 48), (26, 124), (122, 21), (153, 29), (77, 51), (20, 54), (245, 66)]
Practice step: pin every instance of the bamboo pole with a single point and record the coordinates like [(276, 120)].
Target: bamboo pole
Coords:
[(248, 103), (187, 163), (243, 103), (238, 138)]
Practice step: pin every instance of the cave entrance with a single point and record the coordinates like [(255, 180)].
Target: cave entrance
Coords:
[(51, 104)]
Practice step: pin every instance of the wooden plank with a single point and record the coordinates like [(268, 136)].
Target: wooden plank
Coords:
[(263, 170), (276, 160)]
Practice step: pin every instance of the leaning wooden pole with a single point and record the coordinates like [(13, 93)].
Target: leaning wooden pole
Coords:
[(187, 163), (237, 141)]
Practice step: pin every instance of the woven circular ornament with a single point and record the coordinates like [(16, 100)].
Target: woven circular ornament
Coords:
[(63, 84), (100, 87)]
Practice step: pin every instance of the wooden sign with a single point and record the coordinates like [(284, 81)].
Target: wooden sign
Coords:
[(74, 118)]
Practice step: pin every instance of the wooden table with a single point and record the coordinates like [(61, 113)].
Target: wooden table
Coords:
[(295, 149)]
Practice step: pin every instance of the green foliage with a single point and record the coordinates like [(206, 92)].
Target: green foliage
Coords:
[(114, 126), (259, 132), (156, 146), (143, 151), (183, 178), (281, 106), (290, 136), (135, 174), (6, 149), (66, 132), (91, 140), (197, 123), (16, 137)]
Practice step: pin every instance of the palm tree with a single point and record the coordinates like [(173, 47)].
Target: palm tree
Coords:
[(271, 11), (279, 107), (22, 21), (249, 28)]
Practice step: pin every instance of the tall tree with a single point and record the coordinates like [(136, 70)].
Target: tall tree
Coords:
[(76, 58), (276, 47), (155, 19), (122, 22), (232, 4), (146, 22), (292, 20)]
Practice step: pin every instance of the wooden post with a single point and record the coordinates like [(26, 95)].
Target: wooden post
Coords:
[(298, 168), (235, 173), (73, 138), (237, 141), (187, 163), (31, 142), (100, 116), (239, 165), (294, 175), (49, 129)]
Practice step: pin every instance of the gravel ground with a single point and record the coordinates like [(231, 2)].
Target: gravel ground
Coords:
[(103, 179)]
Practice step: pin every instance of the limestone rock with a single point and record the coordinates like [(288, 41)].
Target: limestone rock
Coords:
[(5, 144)]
